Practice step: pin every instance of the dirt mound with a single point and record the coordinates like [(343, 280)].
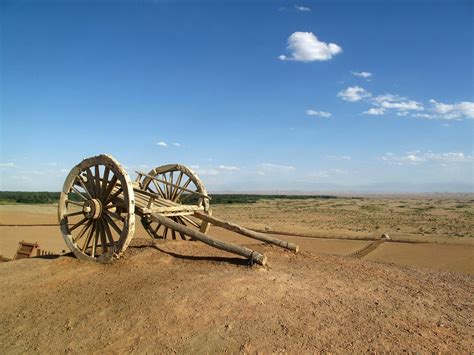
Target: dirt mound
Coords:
[(187, 297)]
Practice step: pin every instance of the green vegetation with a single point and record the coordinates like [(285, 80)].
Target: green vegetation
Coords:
[(7, 197), (10, 197), (26, 197), (217, 199)]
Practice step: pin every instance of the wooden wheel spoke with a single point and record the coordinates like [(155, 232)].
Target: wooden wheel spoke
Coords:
[(178, 182), (90, 182), (79, 193), (98, 186), (114, 195), (195, 224), (186, 184), (165, 232), (167, 188), (77, 224), (108, 190), (115, 215), (75, 203), (105, 181), (108, 207), (88, 239), (157, 228), (79, 179), (82, 232), (103, 239), (113, 224), (73, 214), (158, 188), (108, 232), (172, 188), (96, 237)]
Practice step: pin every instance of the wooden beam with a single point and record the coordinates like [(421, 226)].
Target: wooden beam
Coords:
[(247, 232), (231, 248)]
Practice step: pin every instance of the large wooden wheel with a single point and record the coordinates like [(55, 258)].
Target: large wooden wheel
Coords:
[(97, 209), (182, 176)]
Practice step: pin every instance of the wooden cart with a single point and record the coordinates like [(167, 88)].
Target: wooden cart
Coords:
[(99, 202)]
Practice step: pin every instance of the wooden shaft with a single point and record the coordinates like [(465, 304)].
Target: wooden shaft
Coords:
[(247, 232), (231, 248), (171, 184)]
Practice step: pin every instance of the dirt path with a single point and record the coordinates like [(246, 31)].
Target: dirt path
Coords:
[(186, 297)]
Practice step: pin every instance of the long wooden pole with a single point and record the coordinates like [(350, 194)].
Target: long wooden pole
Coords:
[(231, 248), (247, 232)]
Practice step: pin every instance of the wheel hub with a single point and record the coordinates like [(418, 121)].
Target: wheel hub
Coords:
[(92, 209)]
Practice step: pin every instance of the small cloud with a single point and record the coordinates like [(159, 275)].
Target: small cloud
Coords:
[(229, 167), (464, 109), (362, 74), (177, 144), (306, 47), (376, 111), (194, 167), (389, 101), (162, 144), (354, 93), (302, 8), (318, 113)]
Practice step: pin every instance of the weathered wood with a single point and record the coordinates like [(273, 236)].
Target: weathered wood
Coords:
[(231, 248), (247, 232), (166, 182)]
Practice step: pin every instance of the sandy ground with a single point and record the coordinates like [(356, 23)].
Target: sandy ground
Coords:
[(186, 297), (444, 252)]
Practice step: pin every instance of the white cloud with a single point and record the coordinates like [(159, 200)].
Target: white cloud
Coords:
[(177, 144), (362, 74), (418, 157), (306, 47), (376, 111), (162, 144), (302, 8), (464, 109), (318, 113), (229, 167), (389, 101), (354, 93), (269, 167), (7, 165)]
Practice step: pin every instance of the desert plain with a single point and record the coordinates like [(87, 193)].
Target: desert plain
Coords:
[(411, 293)]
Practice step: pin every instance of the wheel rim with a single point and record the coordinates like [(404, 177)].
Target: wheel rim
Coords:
[(186, 178), (96, 209)]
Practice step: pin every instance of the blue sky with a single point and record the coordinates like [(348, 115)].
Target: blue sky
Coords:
[(264, 95)]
